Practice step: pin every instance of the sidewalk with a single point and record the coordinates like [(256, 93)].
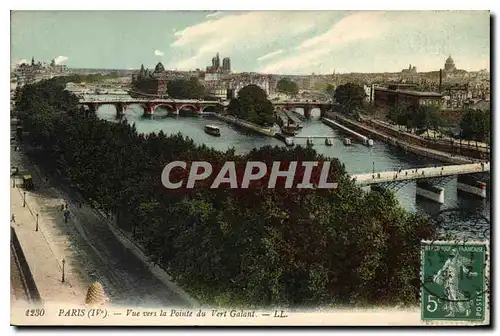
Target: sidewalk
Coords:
[(44, 251)]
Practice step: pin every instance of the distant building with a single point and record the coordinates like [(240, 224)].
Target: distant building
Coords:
[(244, 79), (449, 65), (216, 65), (411, 70), (150, 84), (36, 71), (401, 95), (226, 65)]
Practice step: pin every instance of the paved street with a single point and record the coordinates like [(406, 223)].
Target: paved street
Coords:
[(91, 250)]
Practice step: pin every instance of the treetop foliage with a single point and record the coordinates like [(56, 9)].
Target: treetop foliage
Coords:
[(257, 247), (252, 105), (350, 96), (287, 86)]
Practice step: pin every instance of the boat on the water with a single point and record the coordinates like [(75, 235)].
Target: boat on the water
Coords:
[(347, 142), (212, 130), (289, 130), (310, 142), (138, 94), (289, 141)]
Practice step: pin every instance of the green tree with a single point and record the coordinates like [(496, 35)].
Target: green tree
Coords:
[(234, 247), (350, 96), (397, 115), (252, 105), (330, 90), (427, 118), (287, 86), (186, 88), (475, 125)]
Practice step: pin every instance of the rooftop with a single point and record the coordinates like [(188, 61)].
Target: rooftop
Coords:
[(412, 92)]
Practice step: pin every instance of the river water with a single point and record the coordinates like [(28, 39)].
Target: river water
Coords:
[(356, 158)]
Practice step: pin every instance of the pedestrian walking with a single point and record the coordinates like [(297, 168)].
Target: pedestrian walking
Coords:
[(13, 219)]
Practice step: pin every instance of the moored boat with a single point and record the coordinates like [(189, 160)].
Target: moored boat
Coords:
[(212, 130), (289, 130)]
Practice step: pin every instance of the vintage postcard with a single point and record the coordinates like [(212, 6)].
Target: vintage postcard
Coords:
[(250, 168)]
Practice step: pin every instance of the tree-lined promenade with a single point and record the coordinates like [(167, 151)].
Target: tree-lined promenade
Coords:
[(237, 247)]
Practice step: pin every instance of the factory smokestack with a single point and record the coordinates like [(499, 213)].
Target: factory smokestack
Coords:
[(440, 79)]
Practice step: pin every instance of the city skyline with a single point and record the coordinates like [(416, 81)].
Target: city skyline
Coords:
[(278, 42)]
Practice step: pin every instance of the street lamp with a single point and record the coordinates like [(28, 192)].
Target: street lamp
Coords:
[(63, 262), (374, 167), (24, 199), (36, 229)]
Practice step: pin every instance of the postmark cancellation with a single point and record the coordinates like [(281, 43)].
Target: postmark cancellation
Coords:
[(455, 282)]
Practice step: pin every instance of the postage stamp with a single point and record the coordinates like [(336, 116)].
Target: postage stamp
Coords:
[(454, 278), (249, 168)]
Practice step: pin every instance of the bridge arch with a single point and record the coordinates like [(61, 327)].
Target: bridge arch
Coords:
[(190, 106), (168, 107), (210, 108)]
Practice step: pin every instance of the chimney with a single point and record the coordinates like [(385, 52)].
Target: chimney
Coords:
[(440, 79)]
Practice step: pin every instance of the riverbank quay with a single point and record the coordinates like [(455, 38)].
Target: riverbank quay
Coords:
[(452, 146), (248, 125), (91, 247), (365, 140), (415, 149), (44, 254)]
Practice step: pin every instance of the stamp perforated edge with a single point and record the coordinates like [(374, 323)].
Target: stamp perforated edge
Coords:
[(486, 320)]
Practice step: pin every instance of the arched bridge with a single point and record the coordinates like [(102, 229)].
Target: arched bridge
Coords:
[(150, 105), (198, 106), (307, 106)]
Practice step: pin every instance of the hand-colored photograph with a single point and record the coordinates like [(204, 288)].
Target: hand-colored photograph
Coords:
[(250, 168)]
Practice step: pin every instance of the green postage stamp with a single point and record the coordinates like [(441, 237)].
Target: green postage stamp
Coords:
[(455, 281)]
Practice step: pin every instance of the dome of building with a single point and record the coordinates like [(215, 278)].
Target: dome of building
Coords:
[(449, 65)]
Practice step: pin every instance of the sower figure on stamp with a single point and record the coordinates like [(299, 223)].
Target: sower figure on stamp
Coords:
[(449, 277)]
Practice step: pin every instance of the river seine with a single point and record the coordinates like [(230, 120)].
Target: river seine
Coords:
[(356, 158)]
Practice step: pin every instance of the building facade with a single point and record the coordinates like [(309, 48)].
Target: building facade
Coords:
[(150, 84), (25, 73), (217, 67), (399, 95)]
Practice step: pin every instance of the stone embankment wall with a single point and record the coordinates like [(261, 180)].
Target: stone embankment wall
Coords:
[(413, 148), (439, 145)]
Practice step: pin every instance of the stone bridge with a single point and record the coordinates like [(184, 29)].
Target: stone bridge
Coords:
[(197, 106), (150, 105)]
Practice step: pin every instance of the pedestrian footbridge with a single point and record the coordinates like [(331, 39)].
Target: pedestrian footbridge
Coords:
[(430, 179)]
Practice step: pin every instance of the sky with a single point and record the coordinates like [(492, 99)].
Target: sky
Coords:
[(278, 42)]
